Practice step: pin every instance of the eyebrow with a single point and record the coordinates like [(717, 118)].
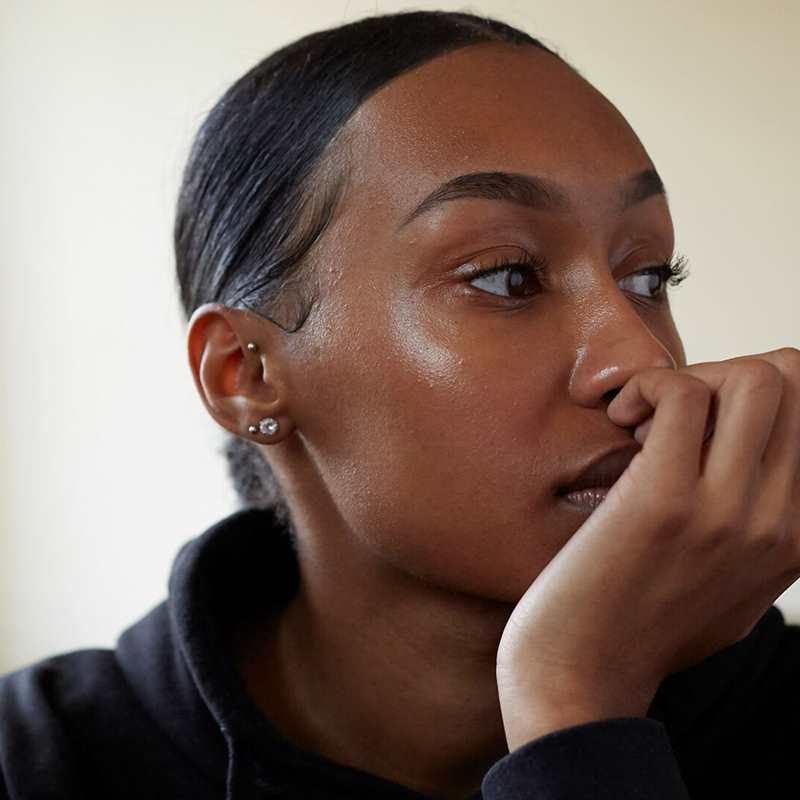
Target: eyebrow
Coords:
[(531, 191)]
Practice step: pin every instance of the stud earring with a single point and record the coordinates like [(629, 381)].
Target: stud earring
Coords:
[(268, 426), (252, 347)]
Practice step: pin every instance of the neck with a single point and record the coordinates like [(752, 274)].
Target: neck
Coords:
[(393, 676)]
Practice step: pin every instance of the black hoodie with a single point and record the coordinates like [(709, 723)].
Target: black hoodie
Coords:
[(165, 715)]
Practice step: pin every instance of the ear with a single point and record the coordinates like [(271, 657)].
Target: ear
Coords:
[(239, 387)]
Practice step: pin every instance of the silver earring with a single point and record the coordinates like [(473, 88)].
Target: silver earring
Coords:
[(268, 426), (252, 347)]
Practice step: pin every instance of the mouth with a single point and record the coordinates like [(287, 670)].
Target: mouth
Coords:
[(588, 489), (586, 499)]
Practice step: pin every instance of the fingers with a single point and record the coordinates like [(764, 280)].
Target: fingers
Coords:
[(776, 518), (748, 394), (781, 459), (752, 464), (675, 438), (784, 444), (640, 434)]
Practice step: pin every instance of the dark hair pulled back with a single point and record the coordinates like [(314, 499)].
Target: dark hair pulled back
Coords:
[(264, 176)]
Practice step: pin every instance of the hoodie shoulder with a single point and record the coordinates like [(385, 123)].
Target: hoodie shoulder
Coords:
[(43, 725), (71, 727)]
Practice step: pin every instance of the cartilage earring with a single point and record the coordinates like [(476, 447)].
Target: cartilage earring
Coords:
[(268, 426), (252, 347)]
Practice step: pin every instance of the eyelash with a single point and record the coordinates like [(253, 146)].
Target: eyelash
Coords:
[(672, 273)]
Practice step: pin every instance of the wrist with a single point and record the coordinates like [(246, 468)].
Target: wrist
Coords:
[(528, 715), (523, 728)]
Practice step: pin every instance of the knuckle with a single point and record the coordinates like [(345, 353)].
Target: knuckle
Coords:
[(771, 532), (674, 515), (691, 388), (726, 521), (759, 375), (726, 526), (792, 536), (788, 358), (683, 503)]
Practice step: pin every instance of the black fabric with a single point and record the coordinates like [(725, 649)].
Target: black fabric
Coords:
[(165, 715)]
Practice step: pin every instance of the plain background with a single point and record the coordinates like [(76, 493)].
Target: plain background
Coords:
[(109, 459)]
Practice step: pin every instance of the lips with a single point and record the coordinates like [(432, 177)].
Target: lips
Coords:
[(602, 471)]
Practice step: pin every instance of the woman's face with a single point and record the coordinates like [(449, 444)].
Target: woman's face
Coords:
[(442, 410)]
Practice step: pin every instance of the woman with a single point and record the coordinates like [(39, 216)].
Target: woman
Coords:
[(499, 539)]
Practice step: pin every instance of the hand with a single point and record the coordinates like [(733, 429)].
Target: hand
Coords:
[(689, 549)]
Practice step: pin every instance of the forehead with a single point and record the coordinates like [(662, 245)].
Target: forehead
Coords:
[(487, 107)]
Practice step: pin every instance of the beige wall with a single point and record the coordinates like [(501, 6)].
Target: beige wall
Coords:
[(109, 460)]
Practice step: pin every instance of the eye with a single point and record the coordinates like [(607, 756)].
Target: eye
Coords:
[(512, 277), (657, 279), (650, 282), (517, 278)]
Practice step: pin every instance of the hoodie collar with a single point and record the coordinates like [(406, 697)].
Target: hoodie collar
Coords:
[(180, 662)]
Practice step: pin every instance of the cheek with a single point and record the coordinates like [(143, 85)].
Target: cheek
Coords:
[(439, 461)]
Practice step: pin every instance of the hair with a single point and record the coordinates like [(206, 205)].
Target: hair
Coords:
[(266, 171)]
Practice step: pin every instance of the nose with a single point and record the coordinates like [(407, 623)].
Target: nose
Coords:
[(614, 342)]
